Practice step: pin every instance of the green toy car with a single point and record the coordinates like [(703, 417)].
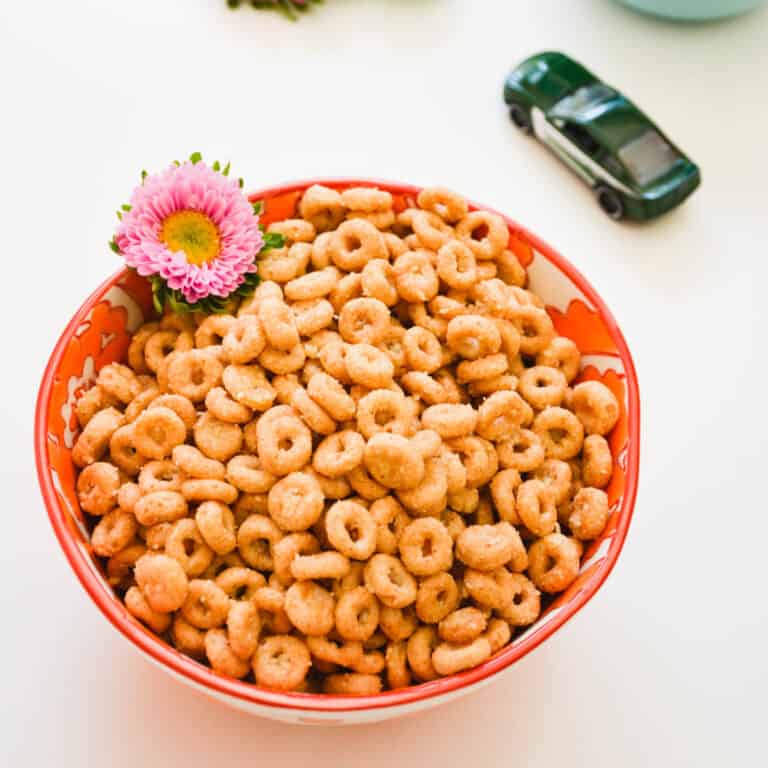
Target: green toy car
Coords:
[(635, 170)]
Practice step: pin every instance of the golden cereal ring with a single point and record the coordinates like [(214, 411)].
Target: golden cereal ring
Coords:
[(501, 415), (119, 381), (294, 230), (320, 565), (243, 629), (162, 343), (424, 387), (536, 507), (553, 562), (422, 349), (462, 626), (188, 639), (322, 207), (320, 257), (482, 368), (456, 266), (113, 533), (313, 285), (488, 547), (351, 530), (588, 514), (349, 287), (426, 547), (352, 684), (473, 336), (596, 407), (283, 264), (333, 358), (504, 383), (156, 535), (224, 408), (396, 657), (438, 595), (380, 219), (310, 608), (418, 315), (285, 445), (181, 406), (160, 476), (557, 476), (363, 484), (597, 462), (137, 346), (368, 366), (524, 602), (366, 199), (542, 386), (395, 245), (97, 487), (378, 282), (289, 548), (427, 442), (450, 420), (213, 329), (278, 324), (216, 524), (256, 537), (489, 590), (247, 474), (393, 461), (311, 413), (328, 393), (94, 439), (448, 659), (357, 614), (295, 503), (432, 231), (338, 454), (91, 402), (120, 565), (280, 362), (446, 204), (312, 316), (415, 277), (485, 233), (524, 451), (478, 457), (486, 270), (364, 321), (398, 624), (217, 439), (431, 495), (326, 650), (240, 583), (393, 347), (138, 606), (563, 354), (223, 660), (157, 432), (382, 411), (421, 645), (160, 507), (388, 579), (248, 384), (503, 489), (194, 463), (193, 374), (511, 271), (390, 519), (186, 545), (536, 329), (455, 472), (560, 431), (245, 340), (162, 581), (354, 243)]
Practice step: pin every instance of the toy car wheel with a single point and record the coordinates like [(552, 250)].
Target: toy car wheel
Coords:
[(520, 117), (610, 202)]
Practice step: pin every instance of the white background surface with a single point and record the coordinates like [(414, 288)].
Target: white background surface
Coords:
[(667, 665)]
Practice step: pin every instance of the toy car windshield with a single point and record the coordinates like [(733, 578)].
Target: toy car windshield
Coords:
[(648, 157)]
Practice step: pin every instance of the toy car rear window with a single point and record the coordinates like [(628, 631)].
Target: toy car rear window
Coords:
[(585, 97), (648, 157)]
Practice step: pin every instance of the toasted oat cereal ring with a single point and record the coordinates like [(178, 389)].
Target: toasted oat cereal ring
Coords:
[(97, 487), (357, 614), (422, 349), (427, 442), (503, 489), (378, 282), (563, 354), (536, 507), (283, 264), (187, 639), (448, 205), (492, 297), (597, 462), (536, 329), (162, 580), (193, 463), (319, 565), (424, 387), (419, 649), (589, 513), (249, 504), (342, 653), (310, 608), (91, 402), (351, 530), (432, 231), (486, 270), (456, 266), (418, 315), (455, 472), (322, 207), (216, 525), (328, 393), (395, 245), (352, 684), (217, 439), (120, 565), (430, 497), (380, 219), (450, 420), (426, 547), (279, 362), (206, 605), (362, 483), (180, 405), (113, 533), (247, 474), (510, 339), (489, 590), (289, 548), (396, 657), (137, 346), (333, 358), (205, 489), (256, 537), (370, 663), (294, 230), (388, 579), (160, 507), (364, 321), (295, 503), (482, 368), (524, 451), (224, 408), (542, 386), (524, 602), (240, 583), (462, 626), (157, 432), (390, 519), (505, 383), (485, 233), (557, 476), (352, 579), (553, 562), (398, 623), (127, 496), (186, 544), (313, 285), (285, 445), (415, 277), (502, 414), (438, 595), (245, 340), (488, 547), (312, 316), (138, 606), (382, 410), (193, 374), (160, 476), (448, 659), (498, 634), (161, 344), (156, 535), (223, 660), (338, 454), (119, 381), (248, 385), (484, 514), (393, 461), (464, 501), (560, 432), (596, 407), (222, 563), (278, 324), (95, 437), (354, 243), (366, 199), (478, 462), (213, 329), (349, 287), (368, 366), (312, 414), (511, 271), (243, 628)]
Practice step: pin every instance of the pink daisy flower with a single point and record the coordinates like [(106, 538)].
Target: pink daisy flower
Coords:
[(194, 228)]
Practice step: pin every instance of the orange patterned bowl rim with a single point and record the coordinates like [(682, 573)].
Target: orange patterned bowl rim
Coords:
[(602, 334)]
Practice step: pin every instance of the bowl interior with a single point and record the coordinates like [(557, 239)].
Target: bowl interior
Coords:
[(99, 334)]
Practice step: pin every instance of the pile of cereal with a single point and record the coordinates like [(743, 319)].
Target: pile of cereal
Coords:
[(366, 474)]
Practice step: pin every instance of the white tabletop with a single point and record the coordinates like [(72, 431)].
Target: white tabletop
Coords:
[(666, 666)]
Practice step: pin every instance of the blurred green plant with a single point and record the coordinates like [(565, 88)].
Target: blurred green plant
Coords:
[(288, 8)]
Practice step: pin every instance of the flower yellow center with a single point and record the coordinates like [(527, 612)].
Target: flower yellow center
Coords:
[(194, 234)]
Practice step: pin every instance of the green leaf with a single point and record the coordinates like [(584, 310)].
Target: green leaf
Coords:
[(119, 215), (272, 240), (258, 207), (216, 165), (240, 183), (144, 175), (195, 158), (114, 246), (225, 172), (126, 207), (176, 163)]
